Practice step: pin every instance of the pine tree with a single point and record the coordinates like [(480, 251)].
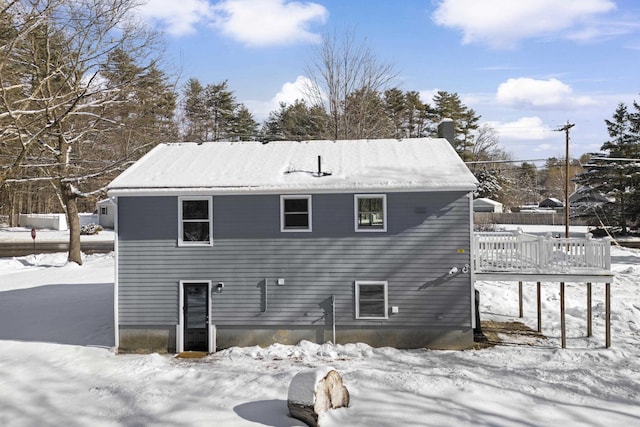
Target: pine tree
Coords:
[(195, 112), (395, 105), (212, 113), (243, 126), (297, 121), (615, 171), (449, 105)]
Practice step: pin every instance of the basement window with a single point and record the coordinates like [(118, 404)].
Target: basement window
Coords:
[(371, 300)]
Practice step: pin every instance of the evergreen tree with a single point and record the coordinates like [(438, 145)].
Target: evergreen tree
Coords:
[(143, 109), (615, 171), (243, 126), (395, 105), (195, 112), (417, 116), (212, 113), (449, 105), (220, 104), (490, 183), (527, 182), (297, 122)]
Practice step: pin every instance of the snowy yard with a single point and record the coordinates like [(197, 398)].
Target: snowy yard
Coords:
[(57, 367)]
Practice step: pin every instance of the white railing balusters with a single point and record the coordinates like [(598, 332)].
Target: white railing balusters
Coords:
[(504, 251)]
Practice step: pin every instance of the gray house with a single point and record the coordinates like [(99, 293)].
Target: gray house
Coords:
[(240, 243)]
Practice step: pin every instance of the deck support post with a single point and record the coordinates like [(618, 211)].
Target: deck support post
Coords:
[(520, 312), (539, 294), (589, 331), (562, 320), (608, 314)]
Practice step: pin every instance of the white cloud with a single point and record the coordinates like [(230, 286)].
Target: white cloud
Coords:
[(268, 22), (426, 95), (526, 128), (179, 17), (526, 92), (289, 93), (502, 24)]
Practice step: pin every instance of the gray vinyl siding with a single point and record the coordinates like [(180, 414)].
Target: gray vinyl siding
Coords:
[(427, 234)]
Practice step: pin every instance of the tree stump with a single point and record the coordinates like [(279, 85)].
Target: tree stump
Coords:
[(313, 392)]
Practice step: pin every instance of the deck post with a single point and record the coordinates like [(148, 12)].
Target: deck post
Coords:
[(608, 314), (539, 307), (589, 332), (520, 314), (562, 320)]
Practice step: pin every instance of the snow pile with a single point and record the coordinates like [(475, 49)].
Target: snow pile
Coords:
[(56, 366)]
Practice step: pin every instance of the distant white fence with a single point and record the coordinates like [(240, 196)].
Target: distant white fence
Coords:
[(53, 221), (520, 252), (47, 221)]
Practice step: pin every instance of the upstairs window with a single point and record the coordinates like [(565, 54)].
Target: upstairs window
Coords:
[(370, 212), (196, 222), (295, 213), (371, 300)]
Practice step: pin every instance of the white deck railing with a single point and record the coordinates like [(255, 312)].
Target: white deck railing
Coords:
[(520, 252)]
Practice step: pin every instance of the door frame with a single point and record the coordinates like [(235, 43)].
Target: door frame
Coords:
[(180, 327)]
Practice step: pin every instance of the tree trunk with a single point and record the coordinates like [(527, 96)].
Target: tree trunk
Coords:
[(71, 210)]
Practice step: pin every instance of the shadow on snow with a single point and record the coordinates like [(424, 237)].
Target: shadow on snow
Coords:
[(80, 314)]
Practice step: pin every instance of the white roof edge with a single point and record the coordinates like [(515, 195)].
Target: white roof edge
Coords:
[(145, 192)]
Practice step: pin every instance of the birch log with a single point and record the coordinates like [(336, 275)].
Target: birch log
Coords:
[(313, 392)]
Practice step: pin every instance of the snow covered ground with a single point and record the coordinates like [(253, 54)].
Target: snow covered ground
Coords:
[(57, 366)]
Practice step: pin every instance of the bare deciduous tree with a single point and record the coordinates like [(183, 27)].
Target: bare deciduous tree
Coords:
[(54, 99), (342, 66)]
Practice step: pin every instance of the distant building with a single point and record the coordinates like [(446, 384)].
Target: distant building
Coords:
[(484, 204), (551, 202), (106, 213)]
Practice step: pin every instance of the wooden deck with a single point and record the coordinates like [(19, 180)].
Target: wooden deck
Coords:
[(520, 257)]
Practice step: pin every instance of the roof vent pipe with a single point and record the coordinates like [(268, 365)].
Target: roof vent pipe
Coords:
[(320, 173)]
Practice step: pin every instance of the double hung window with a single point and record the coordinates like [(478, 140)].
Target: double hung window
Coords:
[(370, 212), (295, 213), (196, 221)]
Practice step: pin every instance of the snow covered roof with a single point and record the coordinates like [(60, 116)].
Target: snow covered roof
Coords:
[(486, 201), (420, 164)]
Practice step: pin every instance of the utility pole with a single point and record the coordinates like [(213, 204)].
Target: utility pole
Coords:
[(566, 128)]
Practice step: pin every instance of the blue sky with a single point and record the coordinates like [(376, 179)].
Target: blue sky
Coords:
[(527, 66)]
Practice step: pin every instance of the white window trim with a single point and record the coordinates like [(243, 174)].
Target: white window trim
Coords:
[(356, 226), (310, 213), (181, 242), (386, 298)]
